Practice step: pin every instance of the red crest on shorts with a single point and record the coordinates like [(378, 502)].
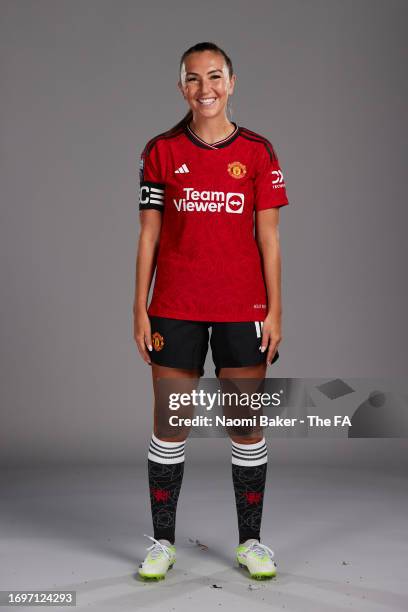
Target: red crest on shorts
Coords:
[(158, 341)]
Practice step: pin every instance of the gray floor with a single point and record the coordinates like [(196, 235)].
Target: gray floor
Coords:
[(340, 538)]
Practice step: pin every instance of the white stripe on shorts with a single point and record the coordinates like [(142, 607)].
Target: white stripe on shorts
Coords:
[(258, 327)]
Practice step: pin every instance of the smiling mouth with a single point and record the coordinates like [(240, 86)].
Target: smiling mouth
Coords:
[(206, 101)]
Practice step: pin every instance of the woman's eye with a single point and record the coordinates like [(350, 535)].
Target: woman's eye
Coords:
[(214, 76)]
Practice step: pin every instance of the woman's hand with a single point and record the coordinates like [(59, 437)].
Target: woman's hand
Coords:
[(142, 334), (271, 336)]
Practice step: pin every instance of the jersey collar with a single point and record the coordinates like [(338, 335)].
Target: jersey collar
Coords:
[(215, 145)]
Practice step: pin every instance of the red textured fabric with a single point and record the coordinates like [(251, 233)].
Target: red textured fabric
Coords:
[(209, 266)]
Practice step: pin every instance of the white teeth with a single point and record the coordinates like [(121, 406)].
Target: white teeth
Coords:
[(206, 101)]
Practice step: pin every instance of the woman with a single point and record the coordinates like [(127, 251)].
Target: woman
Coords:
[(201, 185)]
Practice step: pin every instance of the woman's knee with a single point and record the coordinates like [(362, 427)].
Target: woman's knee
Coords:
[(166, 437), (252, 439)]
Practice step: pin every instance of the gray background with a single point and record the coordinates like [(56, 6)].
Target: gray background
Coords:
[(84, 86)]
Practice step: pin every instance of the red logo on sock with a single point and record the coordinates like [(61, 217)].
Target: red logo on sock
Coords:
[(253, 497), (160, 494)]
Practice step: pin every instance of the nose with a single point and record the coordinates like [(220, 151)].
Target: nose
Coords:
[(205, 88)]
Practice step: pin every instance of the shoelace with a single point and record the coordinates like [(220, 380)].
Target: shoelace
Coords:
[(260, 549), (157, 548)]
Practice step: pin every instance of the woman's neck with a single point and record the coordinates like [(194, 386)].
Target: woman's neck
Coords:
[(212, 130)]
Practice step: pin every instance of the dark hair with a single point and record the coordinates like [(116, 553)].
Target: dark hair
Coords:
[(204, 46)]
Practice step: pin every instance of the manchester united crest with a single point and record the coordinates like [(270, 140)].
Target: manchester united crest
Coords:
[(158, 341), (236, 169)]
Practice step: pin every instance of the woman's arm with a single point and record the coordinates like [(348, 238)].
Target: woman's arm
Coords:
[(150, 226), (267, 238)]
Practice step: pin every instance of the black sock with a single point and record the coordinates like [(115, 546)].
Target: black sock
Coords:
[(249, 462), (165, 468)]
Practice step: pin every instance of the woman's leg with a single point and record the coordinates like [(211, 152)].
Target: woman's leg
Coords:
[(166, 452), (249, 461), (256, 372)]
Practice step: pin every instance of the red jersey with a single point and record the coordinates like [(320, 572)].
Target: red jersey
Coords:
[(209, 266)]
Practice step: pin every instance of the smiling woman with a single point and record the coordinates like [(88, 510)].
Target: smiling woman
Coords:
[(210, 193), (206, 86)]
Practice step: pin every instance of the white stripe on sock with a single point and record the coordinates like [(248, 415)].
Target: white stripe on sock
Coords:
[(249, 454), (162, 451)]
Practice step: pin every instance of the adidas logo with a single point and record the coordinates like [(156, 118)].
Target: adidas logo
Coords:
[(183, 169)]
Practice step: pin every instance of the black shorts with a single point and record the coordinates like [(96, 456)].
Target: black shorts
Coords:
[(184, 344)]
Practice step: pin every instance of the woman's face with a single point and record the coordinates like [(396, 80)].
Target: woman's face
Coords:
[(205, 83)]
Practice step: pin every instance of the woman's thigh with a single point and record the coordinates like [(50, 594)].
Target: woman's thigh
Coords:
[(256, 372), (170, 383)]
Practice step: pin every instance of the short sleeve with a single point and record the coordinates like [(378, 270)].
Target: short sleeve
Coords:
[(151, 191), (270, 188)]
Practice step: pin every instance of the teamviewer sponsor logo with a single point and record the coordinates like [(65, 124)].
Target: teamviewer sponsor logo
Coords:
[(234, 203), (278, 180), (209, 201)]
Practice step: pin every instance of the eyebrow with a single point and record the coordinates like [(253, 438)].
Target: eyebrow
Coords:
[(209, 72)]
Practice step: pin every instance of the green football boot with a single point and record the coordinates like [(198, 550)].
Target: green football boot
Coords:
[(257, 558), (160, 558)]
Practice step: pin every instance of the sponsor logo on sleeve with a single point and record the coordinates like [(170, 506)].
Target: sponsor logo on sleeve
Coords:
[(277, 180)]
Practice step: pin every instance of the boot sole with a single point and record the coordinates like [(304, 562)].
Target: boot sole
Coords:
[(155, 577), (258, 575)]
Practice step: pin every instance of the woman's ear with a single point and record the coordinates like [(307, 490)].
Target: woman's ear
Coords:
[(232, 84)]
